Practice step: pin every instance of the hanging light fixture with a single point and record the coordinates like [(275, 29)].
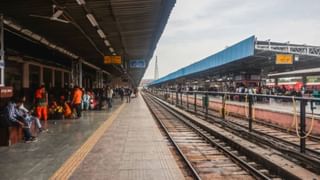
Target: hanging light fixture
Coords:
[(101, 33), (81, 2), (92, 20)]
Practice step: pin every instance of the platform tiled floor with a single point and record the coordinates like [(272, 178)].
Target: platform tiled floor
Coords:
[(132, 148), (40, 160)]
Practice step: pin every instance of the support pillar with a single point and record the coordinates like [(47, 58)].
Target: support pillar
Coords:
[(99, 78), (76, 73), (1, 51), (41, 75), (53, 78), (304, 83), (80, 73), (25, 78), (62, 79)]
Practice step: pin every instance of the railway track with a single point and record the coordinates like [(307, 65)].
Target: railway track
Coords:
[(275, 137), (270, 135), (208, 155)]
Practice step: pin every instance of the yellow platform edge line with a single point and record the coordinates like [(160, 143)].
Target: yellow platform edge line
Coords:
[(71, 164)]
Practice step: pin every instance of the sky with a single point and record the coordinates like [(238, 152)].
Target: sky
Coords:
[(199, 28)]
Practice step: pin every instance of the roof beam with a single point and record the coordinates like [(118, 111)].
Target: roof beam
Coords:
[(36, 38)]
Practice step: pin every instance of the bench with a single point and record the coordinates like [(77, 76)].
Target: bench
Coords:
[(12, 134)]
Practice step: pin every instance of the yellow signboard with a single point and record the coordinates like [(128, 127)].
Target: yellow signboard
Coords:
[(116, 59), (107, 60), (284, 59), (112, 60)]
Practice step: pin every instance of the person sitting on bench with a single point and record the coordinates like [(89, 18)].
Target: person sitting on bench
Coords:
[(14, 116), (28, 117)]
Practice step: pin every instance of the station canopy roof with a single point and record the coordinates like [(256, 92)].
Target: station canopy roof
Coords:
[(88, 29), (248, 56)]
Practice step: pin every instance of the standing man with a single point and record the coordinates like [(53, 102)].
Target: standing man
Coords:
[(121, 93), (128, 94), (76, 100), (41, 103), (86, 100), (109, 96)]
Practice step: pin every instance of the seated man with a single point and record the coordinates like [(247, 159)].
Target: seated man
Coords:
[(14, 116), (55, 110), (67, 110), (28, 117)]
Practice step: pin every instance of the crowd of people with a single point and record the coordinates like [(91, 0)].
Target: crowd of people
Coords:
[(69, 103), (280, 90)]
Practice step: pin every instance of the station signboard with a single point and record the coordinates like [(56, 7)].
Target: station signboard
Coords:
[(112, 60), (284, 59), (137, 63), (6, 92)]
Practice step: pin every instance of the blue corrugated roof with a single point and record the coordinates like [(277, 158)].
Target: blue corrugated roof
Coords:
[(242, 49)]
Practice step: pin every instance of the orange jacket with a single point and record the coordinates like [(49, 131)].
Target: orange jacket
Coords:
[(67, 110), (77, 96), (40, 97), (38, 94)]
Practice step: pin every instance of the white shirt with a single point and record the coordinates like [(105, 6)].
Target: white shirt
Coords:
[(109, 93)]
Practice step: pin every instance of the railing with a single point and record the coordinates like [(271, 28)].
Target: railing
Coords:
[(182, 99)]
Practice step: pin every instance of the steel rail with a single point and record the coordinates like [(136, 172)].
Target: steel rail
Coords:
[(185, 159), (314, 161), (283, 172), (253, 171)]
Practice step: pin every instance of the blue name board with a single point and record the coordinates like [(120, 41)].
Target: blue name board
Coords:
[(139, 63), (1, 64)]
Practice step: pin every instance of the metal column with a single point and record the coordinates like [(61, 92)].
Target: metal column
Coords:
[(250, 112), (76, 73), (303, 104), (99, 79), (1, 51), (80, 73)]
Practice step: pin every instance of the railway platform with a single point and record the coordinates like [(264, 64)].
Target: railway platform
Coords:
[(122, 143), (132, 148)]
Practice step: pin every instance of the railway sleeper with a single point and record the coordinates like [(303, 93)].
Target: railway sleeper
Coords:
[(291, 172)]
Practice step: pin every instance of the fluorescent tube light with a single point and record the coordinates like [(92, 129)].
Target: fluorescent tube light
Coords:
[(36, 37), (44, 41), (107, 43), (27, 32), (92, 20), (111, 49), (16, 27), (81, 2), (53, 46), (101, 33), (7, 22)]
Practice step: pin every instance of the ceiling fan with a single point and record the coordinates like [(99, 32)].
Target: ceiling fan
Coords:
[(56, 13)]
